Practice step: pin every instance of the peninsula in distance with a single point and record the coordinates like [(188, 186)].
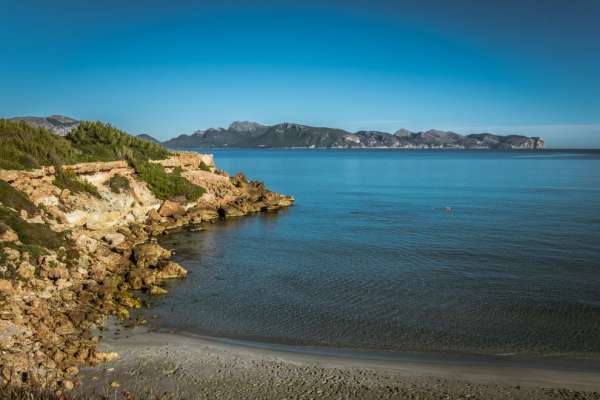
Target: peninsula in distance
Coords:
[(245, 134)]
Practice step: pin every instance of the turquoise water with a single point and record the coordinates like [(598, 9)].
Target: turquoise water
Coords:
[(490, 252)]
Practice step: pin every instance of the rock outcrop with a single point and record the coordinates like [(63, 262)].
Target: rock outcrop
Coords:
[(51, 300)]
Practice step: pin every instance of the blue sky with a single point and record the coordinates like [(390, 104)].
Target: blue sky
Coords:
[(171, 67)]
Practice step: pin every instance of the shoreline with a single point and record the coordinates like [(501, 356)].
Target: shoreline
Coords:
[(186, 363), (102, 251)]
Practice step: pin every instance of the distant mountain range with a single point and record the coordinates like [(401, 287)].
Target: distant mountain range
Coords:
[(287, 135)]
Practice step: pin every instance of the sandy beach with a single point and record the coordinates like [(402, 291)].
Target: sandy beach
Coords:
[(178, 366)]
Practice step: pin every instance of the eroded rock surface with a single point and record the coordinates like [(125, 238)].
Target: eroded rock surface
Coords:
[(51, 301)]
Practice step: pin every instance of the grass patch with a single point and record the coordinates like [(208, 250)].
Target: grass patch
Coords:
[(11, 197), (32, 234), (70, 180), (165, 185), (118, 183)]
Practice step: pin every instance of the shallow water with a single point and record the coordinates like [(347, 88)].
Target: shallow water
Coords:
[(492, 252)]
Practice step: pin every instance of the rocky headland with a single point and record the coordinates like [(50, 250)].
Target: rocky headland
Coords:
[(71, 258), (290, 135)]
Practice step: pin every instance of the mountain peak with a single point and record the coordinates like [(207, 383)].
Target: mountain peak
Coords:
[(245, 126), (402, 132)]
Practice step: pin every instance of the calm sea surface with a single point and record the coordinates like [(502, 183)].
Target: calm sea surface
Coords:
[(492, 252)]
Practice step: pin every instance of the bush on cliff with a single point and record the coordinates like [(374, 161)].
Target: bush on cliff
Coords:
[(11, 197), (69, 180), (32, 234), (25, 147), (165, 185), (118, 183), (101, 142)]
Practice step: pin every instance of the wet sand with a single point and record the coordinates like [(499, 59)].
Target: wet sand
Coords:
[(192, 367)]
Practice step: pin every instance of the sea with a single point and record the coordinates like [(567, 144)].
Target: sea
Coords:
[(487, 252)]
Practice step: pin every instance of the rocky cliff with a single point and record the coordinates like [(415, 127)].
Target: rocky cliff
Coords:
[(287, 135), (68, 260)]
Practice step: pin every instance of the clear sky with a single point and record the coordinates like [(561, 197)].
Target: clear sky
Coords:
[(171, 67)]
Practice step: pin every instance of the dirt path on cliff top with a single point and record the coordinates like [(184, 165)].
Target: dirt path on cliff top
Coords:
[(171, 366)]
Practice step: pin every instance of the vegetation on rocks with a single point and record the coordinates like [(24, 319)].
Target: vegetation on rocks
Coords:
[(165, 185), (56, 286), (101, 142), (118, 183), (14, 199), (204, 167), (25, 147), (30, 233), (69, 180)]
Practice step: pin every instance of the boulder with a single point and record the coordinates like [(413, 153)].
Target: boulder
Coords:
[(149, 254), (171, 270), (58, 272), (231, 211), (100, 356), (12, 254), (64, 195), (26, 270), (6, 287), (154, 216), (157, 291), (171, 209), (114, 239), (198, 215), (7, 235), (103, 221)]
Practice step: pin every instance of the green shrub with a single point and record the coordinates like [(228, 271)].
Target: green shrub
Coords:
[(101, 142), (118, 183), (25, 147), (69, 180), (32, 234), (165, 185), (11, 197), (204, 167)]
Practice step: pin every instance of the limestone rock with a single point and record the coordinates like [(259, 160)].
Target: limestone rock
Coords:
[(157, 291), (171, 270), (154, 216), (7, 235), (26, 270), (114, 239), (171, 209), (149, 254), (64, 195), (6, 287), (105, 356), (68, 385)]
